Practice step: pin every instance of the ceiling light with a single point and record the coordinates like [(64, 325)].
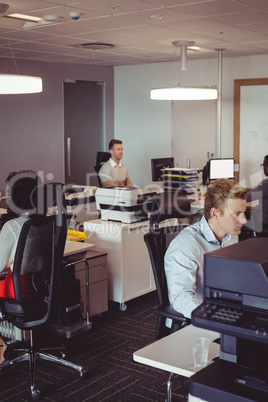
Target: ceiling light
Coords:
[(184, 93), (52, 18), (19, 84), (195, 48), (24, 17), (156, 16)]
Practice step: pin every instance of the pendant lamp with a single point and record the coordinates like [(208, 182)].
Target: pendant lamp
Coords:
[(19, 84), (16, 83), (184, 93)]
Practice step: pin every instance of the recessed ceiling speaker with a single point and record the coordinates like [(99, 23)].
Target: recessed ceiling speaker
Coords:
[(96, 46)]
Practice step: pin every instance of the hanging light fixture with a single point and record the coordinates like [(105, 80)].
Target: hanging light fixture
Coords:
[(16, 83), (184, 93), (19, 84)]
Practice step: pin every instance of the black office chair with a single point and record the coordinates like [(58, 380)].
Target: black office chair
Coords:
[(166, 205), (101, 158), (41, 245), (157, 243)]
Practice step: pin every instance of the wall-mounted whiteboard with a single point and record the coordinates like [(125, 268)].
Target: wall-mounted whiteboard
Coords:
[(250, 129)]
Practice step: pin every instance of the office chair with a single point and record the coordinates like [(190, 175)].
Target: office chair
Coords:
[(157, 243), (40, 245), (157, 240), (101, 158)]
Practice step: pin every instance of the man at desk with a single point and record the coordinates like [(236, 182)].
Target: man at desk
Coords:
[(224, 217), (260, 213), (113, 172)]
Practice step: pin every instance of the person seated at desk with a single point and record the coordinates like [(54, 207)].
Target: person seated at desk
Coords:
[(19, 188), (113, 172), (223, 219), (260, 213)]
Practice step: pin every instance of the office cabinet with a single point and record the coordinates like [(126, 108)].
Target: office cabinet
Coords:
[(98, 283), (129, 269)]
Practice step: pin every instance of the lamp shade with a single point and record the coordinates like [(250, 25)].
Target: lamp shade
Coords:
[(20, 84), (183, 93)]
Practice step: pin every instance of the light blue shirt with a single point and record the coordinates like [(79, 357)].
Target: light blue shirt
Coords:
[(184, 264)]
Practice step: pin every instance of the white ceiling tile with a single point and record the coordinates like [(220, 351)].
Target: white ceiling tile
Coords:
[(240, 26)]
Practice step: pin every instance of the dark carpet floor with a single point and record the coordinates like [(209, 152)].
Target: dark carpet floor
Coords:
[(106, 351)]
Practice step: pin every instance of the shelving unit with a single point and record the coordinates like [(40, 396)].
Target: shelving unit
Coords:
[(182, 179)]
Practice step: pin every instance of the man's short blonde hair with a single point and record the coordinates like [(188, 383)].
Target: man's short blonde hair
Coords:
[(219, 192)]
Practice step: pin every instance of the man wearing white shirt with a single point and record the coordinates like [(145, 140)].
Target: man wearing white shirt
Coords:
[(224, 217), (113, 172)]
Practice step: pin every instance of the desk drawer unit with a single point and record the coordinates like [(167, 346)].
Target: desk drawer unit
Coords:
[(98, 285)]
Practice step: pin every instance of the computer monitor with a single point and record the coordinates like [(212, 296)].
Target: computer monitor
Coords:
[(222, 168), (158, 164)]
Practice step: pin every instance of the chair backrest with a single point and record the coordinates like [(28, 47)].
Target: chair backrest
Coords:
[(101, 158), (35, 253), (157, 242), (39, 255)]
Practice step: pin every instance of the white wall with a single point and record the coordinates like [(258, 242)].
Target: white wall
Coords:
[(144, 126), (185, 130)]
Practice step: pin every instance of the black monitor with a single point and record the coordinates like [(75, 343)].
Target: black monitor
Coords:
[(221, 168), (158, 164)]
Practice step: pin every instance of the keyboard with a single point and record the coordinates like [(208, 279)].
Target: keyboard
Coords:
[(231, 319)]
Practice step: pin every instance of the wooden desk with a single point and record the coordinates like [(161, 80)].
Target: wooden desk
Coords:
[(174, 353)]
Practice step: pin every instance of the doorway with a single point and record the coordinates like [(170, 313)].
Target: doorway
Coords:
[(83, 130)]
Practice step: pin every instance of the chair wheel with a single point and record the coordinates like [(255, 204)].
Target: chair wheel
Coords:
[(122, 306), (36, 394)]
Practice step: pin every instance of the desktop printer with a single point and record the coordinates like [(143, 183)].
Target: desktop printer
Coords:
[(125, 204), (235, 305)]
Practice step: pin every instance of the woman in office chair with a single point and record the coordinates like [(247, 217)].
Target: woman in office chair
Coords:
[(19, 188)]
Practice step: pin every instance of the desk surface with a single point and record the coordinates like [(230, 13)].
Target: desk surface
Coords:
[(75, 247), (174, 353)]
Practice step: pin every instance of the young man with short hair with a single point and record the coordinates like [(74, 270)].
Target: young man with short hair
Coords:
[(224, 217), (113, 172)]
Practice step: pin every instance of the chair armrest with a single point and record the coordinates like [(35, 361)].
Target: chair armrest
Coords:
[(169, 312)]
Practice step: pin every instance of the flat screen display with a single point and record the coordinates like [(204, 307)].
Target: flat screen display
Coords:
[(158, 164), (221, 168)]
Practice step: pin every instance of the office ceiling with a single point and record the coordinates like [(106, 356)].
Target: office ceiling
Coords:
[(125, 32)]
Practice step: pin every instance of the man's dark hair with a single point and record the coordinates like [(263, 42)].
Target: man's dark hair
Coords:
[(266, 160), (20, 186), (113, 142)]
